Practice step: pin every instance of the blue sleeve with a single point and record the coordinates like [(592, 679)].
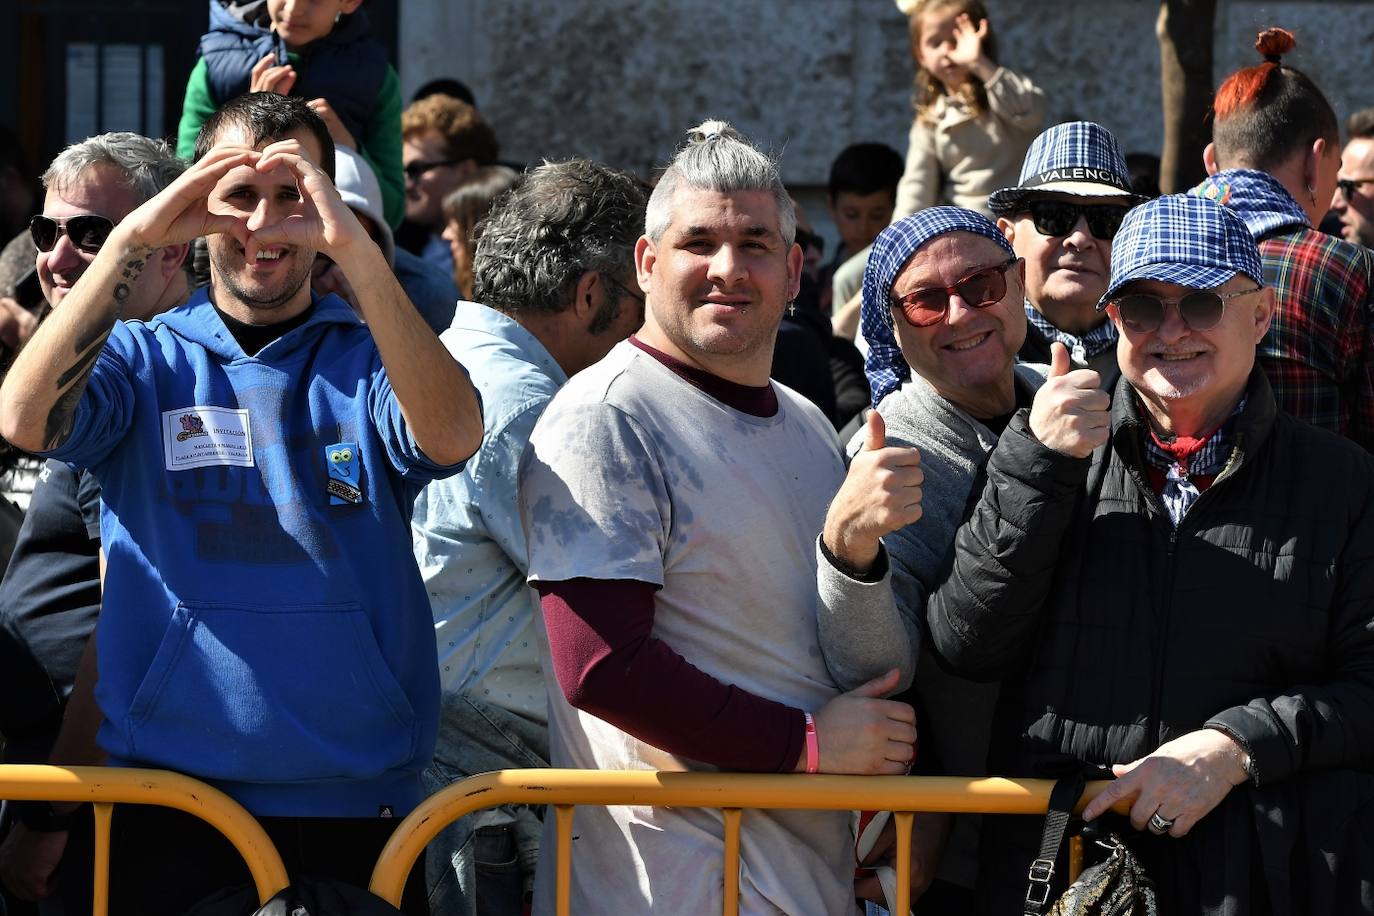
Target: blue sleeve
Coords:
[(106, 409), (496, 476), (413, 465), (429, 289)]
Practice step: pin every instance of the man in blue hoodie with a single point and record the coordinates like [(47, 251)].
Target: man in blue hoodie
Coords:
[(264, 625)]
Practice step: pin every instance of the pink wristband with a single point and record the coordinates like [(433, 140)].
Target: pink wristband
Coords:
[(813, 747)]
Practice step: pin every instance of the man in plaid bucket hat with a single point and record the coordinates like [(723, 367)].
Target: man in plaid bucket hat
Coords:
[(1174, 592), (1073, 193)]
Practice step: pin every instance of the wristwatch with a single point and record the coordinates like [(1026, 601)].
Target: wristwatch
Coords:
[(1247, 763), (41, 817), (1247, 759)]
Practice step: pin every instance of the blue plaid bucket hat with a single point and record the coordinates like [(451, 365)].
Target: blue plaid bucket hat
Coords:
[(1183, 239), (884, 365), (1077, 157)]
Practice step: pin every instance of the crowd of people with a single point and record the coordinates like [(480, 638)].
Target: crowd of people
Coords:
[(343, 461)]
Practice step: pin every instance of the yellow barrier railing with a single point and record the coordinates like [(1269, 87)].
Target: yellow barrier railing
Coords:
[(731, 792), (105, 787)]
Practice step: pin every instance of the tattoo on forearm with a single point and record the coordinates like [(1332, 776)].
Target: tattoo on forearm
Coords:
[(72, 382), (83, 362), (59, 424), (130, 272)]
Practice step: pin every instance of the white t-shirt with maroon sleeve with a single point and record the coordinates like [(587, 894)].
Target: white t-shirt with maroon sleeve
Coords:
[(634, 473)]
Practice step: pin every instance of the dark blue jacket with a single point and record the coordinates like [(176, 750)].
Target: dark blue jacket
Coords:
[(347, 66)]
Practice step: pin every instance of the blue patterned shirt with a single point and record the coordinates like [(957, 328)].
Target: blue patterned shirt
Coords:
[(1180, 492)]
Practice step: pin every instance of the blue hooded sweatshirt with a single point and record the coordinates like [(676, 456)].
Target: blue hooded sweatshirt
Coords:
[(264, 625)]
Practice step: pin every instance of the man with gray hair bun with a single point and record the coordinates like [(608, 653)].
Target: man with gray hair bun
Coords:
[(672, 498), (50, 596), (554, 273)]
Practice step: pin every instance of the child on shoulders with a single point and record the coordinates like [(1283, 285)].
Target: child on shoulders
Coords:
[(323, 51)]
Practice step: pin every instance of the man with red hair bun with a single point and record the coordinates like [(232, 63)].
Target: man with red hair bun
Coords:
[(1274, 158)]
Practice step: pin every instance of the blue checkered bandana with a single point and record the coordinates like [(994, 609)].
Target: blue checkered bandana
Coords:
[(1257, 197), (1097, 341), (1076, 157), (1183, 239), (885, 366)]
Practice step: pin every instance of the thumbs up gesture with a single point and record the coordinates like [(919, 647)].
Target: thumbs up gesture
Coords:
[(1071, 413), (875, 431), (880, 494)]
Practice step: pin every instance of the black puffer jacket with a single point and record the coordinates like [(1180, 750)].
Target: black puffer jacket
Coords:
[(1115, 633)]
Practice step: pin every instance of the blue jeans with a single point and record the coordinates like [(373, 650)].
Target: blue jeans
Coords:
[(488, 870)]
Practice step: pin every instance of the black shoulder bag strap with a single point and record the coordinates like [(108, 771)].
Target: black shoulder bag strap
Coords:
[(1063, 798)]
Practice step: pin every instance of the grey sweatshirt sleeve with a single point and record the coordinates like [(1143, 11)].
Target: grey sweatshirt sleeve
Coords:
[(863, 634)]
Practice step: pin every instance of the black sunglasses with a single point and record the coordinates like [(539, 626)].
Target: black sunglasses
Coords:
[(1201, 310), (414, 171), (87, 231), (984, 287), (1057, 217), (1350, 187)]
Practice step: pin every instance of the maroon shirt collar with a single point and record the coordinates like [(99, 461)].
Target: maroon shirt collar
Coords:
[(757, 401)]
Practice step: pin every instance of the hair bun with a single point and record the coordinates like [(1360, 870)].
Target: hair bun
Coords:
[(1274, 42), (706, 130)]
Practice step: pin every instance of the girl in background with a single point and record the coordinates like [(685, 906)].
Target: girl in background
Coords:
[(974, 117)]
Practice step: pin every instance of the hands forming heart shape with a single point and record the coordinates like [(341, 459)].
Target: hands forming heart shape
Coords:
[(238, 191)]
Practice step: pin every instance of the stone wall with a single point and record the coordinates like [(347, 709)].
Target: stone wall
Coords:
[(621, 80)]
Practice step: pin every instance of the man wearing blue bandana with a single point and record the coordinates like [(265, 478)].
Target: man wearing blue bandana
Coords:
[(1174, 594), (942, 311)]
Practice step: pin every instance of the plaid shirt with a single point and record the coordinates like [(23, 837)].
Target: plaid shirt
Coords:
[(1319, 352)]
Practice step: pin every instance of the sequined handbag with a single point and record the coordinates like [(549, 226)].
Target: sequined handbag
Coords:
[(1116, 886)]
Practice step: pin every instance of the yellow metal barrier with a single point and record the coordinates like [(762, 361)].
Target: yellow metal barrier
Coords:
[(731, 792), (106, 786)]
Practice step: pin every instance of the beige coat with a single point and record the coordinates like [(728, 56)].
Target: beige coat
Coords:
[(961, 159)]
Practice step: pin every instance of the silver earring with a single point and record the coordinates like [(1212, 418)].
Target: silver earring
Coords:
[(338, 16), (792, 307)]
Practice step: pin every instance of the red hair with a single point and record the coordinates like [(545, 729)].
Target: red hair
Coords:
[(1266, 114), (1243, 87)]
